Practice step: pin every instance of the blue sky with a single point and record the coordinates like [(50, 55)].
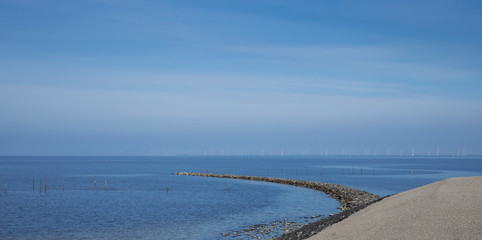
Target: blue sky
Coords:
[(154, 77)]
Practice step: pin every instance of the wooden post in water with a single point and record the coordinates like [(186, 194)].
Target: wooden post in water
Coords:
[(45, 184), (95, 180), (40, 185), (167, 186), (229, 187), (63, 185)]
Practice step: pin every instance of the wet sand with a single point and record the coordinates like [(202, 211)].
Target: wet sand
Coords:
[(447, 209)]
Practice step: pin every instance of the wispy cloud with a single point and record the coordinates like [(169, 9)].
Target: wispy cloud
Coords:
[(86, 110), (397, 63), (319, 52)]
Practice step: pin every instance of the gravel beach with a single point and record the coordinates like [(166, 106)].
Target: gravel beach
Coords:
[(447, 209)]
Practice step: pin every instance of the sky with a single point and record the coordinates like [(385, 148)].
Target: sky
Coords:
[(115, 77)]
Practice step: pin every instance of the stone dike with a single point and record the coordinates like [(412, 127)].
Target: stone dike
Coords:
[(350, 198)]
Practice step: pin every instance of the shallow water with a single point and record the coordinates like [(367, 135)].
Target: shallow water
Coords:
[(138, 205)]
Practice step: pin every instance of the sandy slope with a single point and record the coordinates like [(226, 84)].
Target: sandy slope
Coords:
[(448, 209)]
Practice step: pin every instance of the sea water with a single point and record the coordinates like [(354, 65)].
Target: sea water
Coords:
[(139, 198)]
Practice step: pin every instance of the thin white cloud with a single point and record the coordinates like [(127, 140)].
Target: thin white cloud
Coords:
[(316, 52), (52, 109), (394, 61)]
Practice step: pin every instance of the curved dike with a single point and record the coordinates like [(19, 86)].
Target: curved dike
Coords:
[(349, 198)]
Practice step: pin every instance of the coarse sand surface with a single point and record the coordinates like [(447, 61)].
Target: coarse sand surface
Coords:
[(447, 209)]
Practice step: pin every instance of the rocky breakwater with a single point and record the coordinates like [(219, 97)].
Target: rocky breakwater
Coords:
[(350, 198)]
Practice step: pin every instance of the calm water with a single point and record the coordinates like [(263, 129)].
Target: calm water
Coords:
[(137, 205)]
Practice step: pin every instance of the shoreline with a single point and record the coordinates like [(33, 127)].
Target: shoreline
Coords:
[(351, 200)]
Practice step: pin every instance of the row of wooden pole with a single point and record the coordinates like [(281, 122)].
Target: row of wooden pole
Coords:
[(63, 185), (45, 184)]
